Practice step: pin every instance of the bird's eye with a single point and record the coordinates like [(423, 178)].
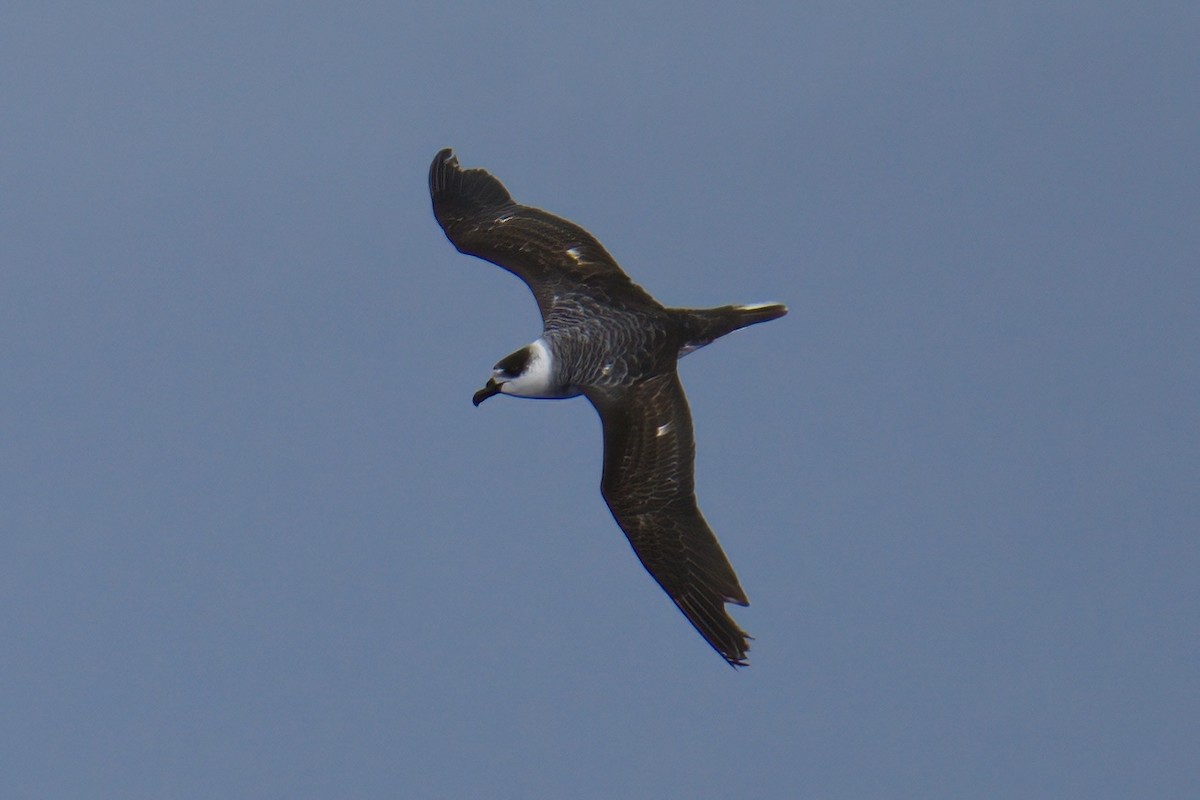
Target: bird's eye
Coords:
[(513, 364)]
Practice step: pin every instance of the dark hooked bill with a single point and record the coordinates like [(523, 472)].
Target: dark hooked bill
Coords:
[(487, 391)]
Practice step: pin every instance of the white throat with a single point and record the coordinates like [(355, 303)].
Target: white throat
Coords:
[(537, 379)]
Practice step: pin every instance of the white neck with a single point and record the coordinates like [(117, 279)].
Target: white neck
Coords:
[(538, 378)]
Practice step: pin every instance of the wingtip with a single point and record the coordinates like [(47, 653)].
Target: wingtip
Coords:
[(710, 618), (444, 163), (738, 658), (468, 188), (445, 156)]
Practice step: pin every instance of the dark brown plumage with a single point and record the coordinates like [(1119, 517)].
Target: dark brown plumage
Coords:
[(606, 338)]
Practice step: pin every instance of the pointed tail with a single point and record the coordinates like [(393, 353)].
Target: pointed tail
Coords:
[(703, 325)]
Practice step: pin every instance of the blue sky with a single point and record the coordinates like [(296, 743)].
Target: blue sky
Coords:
[(257, 543)]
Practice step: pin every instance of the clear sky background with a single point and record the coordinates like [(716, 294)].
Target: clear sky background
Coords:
[(256, 543)]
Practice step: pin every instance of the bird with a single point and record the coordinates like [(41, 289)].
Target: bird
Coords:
[(605, 338)]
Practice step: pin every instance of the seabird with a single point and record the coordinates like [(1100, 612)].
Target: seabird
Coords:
[(606, 338)]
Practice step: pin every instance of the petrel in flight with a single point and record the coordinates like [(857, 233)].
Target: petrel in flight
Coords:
[(606, 338)]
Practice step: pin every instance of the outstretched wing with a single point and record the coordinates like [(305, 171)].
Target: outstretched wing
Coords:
[(649, 454), (549, 253)]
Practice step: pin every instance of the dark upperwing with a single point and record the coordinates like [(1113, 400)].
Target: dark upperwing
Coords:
[(552, 255), (649, 455)]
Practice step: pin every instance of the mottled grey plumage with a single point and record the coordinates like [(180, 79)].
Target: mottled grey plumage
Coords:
[(606, 338)]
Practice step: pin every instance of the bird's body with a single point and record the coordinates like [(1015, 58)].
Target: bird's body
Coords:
[(606, 338)]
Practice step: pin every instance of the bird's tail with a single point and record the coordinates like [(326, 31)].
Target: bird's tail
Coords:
[(704, 325)]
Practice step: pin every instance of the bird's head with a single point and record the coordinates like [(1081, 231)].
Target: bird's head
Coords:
[(525, 373)]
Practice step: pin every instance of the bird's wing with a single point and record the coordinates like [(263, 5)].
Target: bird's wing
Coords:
[(649, 454), (549, 253)]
